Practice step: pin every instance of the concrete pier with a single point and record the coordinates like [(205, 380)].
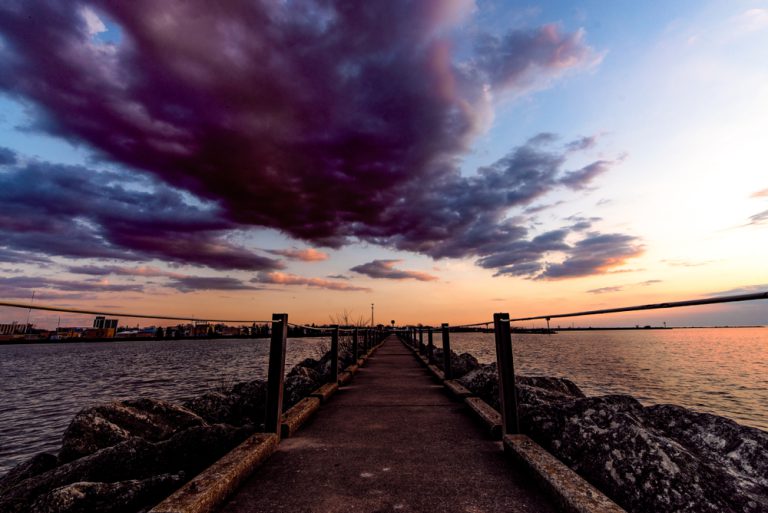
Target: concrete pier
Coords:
[(393, 440)]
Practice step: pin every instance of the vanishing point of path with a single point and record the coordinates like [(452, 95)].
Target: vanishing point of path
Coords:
[(392, 440)]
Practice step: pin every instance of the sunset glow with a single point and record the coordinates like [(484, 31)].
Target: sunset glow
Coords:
[(442, 159)]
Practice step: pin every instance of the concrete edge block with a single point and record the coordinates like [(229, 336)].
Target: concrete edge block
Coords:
[(325, 392), (352, 368), (345, 377), (299, 413), (489, 416), (570, 490), (435, 370), (207, 491), (361, 361), (458, 390)]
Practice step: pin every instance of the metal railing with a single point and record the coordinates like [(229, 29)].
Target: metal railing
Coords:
[(363, 341), (503, 339)]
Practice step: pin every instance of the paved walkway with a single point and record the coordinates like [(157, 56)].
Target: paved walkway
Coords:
[(390, 441)]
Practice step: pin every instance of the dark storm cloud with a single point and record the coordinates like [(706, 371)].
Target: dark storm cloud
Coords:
[(331, 121), (386, 269), (72, 211), (7, 156)]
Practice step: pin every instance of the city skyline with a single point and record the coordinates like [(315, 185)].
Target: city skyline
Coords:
[(461, 158)]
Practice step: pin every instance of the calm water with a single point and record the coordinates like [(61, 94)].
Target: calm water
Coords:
[(722, 370), (43, 386)]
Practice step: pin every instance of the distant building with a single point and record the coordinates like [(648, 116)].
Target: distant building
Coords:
[(101, 322), (9, 329)]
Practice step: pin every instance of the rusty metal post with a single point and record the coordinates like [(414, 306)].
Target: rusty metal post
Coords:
[(276, 374), (355, 348), (334, 378), (430, 346), (506, 369), (447, 371)]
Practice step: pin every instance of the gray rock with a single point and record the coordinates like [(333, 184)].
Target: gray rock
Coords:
[(35, 466), (297, 388), (188, 451), (242, 404), (610, 441), (462, 364), (107, 425), (120, 497)]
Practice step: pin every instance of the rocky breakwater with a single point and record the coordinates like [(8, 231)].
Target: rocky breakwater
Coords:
[(661, 458), (126, 456)]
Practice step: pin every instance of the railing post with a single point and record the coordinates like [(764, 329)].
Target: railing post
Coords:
[(430, 346), (276, 374), (506, 370), (334, 355), (355, 348), (421, 339), (447, 371)]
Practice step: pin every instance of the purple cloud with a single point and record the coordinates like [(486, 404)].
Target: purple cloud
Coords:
[(330, 121), (604, 290), (7, 156), (12, 285), (385, 269), (594, 255), (75, 212)]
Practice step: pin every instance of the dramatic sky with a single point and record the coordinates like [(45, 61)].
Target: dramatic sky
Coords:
[(443, 159)]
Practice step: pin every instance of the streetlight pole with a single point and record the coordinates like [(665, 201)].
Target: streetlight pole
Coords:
[(371, 315)]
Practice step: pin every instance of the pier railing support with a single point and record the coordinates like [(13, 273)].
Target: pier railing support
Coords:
[(355, 347), (421, 340), (506, 369), (276, 373), (430, 346), (447, 371), (334, 378)]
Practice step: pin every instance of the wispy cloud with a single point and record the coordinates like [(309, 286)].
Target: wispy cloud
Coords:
[(385, 269), (281, 278), (604, 290), (760, 194), (305, 255)]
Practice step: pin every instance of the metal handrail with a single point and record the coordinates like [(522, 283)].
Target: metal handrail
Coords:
[(655, 306), (122, 314)]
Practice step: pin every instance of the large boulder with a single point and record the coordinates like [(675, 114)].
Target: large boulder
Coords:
[(461, 364), (188, 452), (296, 388), (107, 425), (483, 381), (242, 404), (120, 497), (611, 442), (35, 466)]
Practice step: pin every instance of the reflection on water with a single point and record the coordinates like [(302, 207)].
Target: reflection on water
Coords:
[(716, 370), (724, 371), (43, 386)]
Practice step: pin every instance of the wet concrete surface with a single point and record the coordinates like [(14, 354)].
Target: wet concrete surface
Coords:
[(392, 440)]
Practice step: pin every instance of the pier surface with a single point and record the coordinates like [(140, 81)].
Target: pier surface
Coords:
[(391, 441)]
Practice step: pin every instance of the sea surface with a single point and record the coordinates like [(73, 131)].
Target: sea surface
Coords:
[(43, 386), (722, 371), (715, 370)]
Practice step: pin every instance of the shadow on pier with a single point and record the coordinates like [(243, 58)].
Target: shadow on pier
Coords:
[(390, 441)]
